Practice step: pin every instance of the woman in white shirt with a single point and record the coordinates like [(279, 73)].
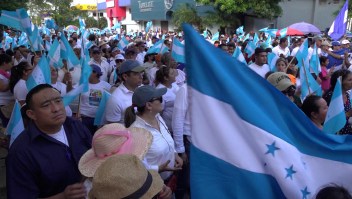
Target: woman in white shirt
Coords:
[(161, 155), (19, 76), (90, 100), (165, 78)]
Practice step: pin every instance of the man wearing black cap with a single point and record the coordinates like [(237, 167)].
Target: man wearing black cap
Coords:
[(131, 75), (260, 66)]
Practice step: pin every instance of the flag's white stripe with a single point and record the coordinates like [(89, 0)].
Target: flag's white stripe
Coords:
[(180, 50), (38, 75), (234, 149), (339, 107), (9, 16), (331, 30)]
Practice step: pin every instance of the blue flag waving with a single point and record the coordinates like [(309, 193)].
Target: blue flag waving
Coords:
[(246, 148), (15, 125), (40, 75), (338, 27)]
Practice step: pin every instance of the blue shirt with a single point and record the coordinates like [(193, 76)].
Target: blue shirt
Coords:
[(39, 166), (333, 61)]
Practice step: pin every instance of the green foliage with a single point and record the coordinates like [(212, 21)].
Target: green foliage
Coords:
[(93, 23), (261, 8), (186, 14), (12, 4)]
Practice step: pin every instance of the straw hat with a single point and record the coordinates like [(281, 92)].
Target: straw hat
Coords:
[(113, 139), (124, 176)]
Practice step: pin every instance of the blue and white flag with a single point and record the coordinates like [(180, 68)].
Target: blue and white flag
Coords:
[(15, 126), (100, 114), (11, 19), (272, 59), (178, 51), (246, 37), (255, 38), (72, 95), (122, 43), (158, 48), (50, 23), (205, 33), (215, 37), (25, 21), (335, 118), (338, 27), (314, 61), (237, 54), (283, 32), (243, 147), (250, 48), (302, 54), (82, 23), (36, 40), (117, 25), (263, 29), (54, 55), (148, 26), (268, 42), (40, 75), (70, 56), (239, 30), (23, 40), (308, 84)]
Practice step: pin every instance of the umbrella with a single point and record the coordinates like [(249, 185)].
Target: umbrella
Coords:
[(306, 28), (291, 32), (71, 28)]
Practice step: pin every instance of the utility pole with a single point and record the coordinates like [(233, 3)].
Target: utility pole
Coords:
[(98, 15)]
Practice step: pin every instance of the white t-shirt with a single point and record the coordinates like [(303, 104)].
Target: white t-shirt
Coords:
[(278, 51), (168, 103), (260, 70), (119, 101), (90, 100), (20, 90), (60, 136), (140, 57), (5, 97)]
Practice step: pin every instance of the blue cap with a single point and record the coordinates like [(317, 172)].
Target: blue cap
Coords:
[(335, 43), (96, 69)]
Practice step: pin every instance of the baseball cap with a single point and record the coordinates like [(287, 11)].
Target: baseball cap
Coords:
[(345, 41), (280, 80), (325, 43), (96, 50), (115, 49), (96, 69), (130, 65), (318, 37), (144, 94), (335, 43), (259, 50), (119, 56)]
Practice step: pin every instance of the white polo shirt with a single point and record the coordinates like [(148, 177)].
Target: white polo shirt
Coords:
[(119, 101)]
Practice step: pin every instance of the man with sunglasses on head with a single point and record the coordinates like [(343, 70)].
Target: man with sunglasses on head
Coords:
[(131, 75)]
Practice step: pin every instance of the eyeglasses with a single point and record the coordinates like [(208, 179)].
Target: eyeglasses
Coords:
[(157, 98), (290, 91)]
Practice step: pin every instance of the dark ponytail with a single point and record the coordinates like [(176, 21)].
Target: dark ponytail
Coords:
[(130, 115), (17, 73)]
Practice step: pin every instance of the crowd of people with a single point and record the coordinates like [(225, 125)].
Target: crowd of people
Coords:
[(142, 150)]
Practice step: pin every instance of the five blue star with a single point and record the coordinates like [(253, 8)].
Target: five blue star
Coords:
[(305, 193), (271, 148), (290, 172)]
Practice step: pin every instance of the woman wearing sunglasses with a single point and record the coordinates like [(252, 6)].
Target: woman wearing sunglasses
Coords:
[(161, 155)]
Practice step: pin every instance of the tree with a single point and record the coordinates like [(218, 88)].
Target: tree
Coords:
[(93, 23), (187, 14), (13, 4), (263, 9)]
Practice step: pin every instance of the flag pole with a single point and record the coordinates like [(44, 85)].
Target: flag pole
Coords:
[(78, 115), (305, 76)]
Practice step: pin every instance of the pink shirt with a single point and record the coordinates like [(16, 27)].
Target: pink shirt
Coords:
[(325, 79)]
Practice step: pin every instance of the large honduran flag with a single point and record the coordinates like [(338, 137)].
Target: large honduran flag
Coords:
[(248, 139)]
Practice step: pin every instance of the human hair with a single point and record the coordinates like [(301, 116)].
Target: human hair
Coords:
[(310, 105), (33, 91), (91, 37), (342, 72), (17, 74), (9, 52), (294, 61), (281, 59), (5, 58), (283, 40), (130, 115), (333, 192), (161, 74), (323, 59), (165, 58)]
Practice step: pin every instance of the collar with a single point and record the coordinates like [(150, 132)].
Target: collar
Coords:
[(34, 132), (125, 89)]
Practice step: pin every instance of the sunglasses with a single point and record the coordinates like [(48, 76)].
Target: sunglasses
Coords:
[(290, 91), (157, 98)]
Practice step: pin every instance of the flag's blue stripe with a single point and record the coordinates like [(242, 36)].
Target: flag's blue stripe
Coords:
[(232, 181), (289, 124)]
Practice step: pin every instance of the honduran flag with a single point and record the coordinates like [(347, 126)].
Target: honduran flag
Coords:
[(178, 51), (246, 147)]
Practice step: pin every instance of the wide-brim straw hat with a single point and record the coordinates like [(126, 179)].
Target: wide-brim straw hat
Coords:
[(125, 176), (114, 139)]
